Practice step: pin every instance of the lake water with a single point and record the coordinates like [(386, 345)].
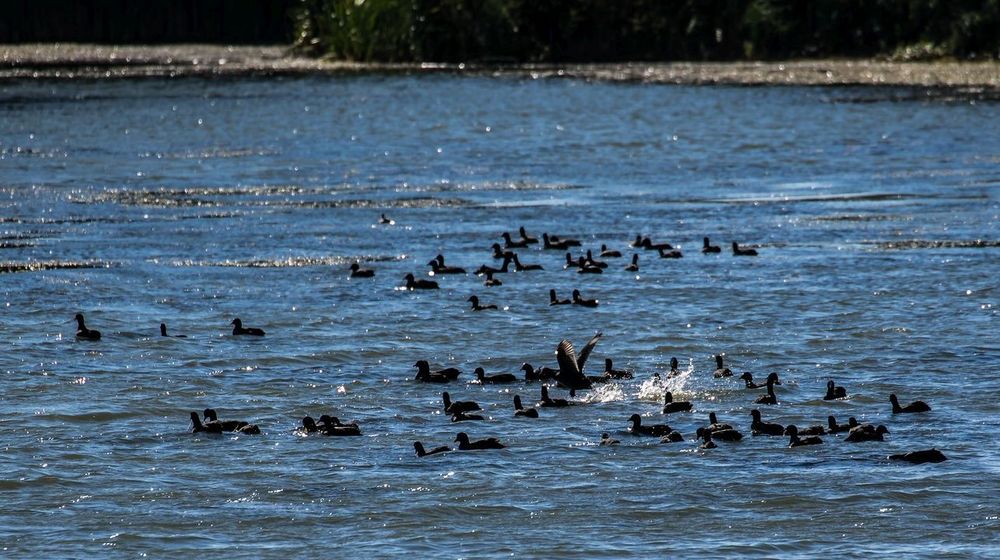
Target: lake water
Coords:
[(193, 202)]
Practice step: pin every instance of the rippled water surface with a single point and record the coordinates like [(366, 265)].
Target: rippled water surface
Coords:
[(194, 202)]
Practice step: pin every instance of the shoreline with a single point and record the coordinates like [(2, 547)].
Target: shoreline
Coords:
[(65, 61)]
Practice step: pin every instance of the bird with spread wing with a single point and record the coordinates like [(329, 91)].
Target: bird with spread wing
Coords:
[(571, 367)]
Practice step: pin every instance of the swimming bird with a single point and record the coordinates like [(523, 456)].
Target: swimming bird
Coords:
[(760, 428), (720, 369), (519, 267), (658, 430), (770, 397), (648, 245), (550, 402), (163, 332), (462, 417), (674, 371), (584, 267), (384, 220), (866, 432), (421, 284), (358, 272), (308, 426), (606, 439), (557, 244), (239, 330), (498, 378), (706, 247), (608, 253), (504, 267), (578, 300), (553, 300), (747, 378), (743, 252), (670, 406), (532, 374), (519, 409), (511, 244), (570, 366), (491, 281), (242, 426), (197, 426), (498, 252), (610, 371), (634, 267), (591, 262), (795, 441), (477, 307), (82, 332), (915, 406), (451, 407), (438, 267), (638, 241), (814, 430), (726, 435), (571, 262), (672, 437), (332, 426), (922, 456), (671, 254), (525, 237), (465, 445), (419, 447), (834, 392), (835, 428), (706, 436), (714, 425), (424, 373)]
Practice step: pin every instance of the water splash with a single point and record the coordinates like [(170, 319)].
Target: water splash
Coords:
[(654, 388), (609, 392)]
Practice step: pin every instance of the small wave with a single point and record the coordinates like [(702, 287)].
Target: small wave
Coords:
[(286, 262), (15, 245), (50, 265), (936, 244), (860, 218), (487, 186), (210, 153)]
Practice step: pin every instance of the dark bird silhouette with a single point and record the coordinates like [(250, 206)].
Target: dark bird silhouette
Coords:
[(634, 267), (671, 406), (239, 329), (571, 367), (451, 407), (358, 272), (608, 253), (82, 332), (743, 252), (918, 457), (419, 448), (866, 432), (421, 284), (553, 300), (720, 369), (834, 392), (610, 371), (465, 445), (795, 441), (498, 378), (518, 267), (770, 397), (542, 373), (550, 402), (163, 332), (658, 430), (424, 373), (709, 248), (760, 428), (519, 409), (509, 243), (579, 300), (477, 307), (915, 406)]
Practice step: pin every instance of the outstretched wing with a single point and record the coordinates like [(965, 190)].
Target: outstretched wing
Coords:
[(566, 356), (585, 353)]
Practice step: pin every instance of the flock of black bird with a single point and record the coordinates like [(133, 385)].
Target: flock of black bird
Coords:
[(570, 372)]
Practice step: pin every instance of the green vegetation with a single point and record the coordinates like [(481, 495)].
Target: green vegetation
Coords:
[(646, 30)]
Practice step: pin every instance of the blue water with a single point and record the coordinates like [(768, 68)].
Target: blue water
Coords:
[(193, 202)]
